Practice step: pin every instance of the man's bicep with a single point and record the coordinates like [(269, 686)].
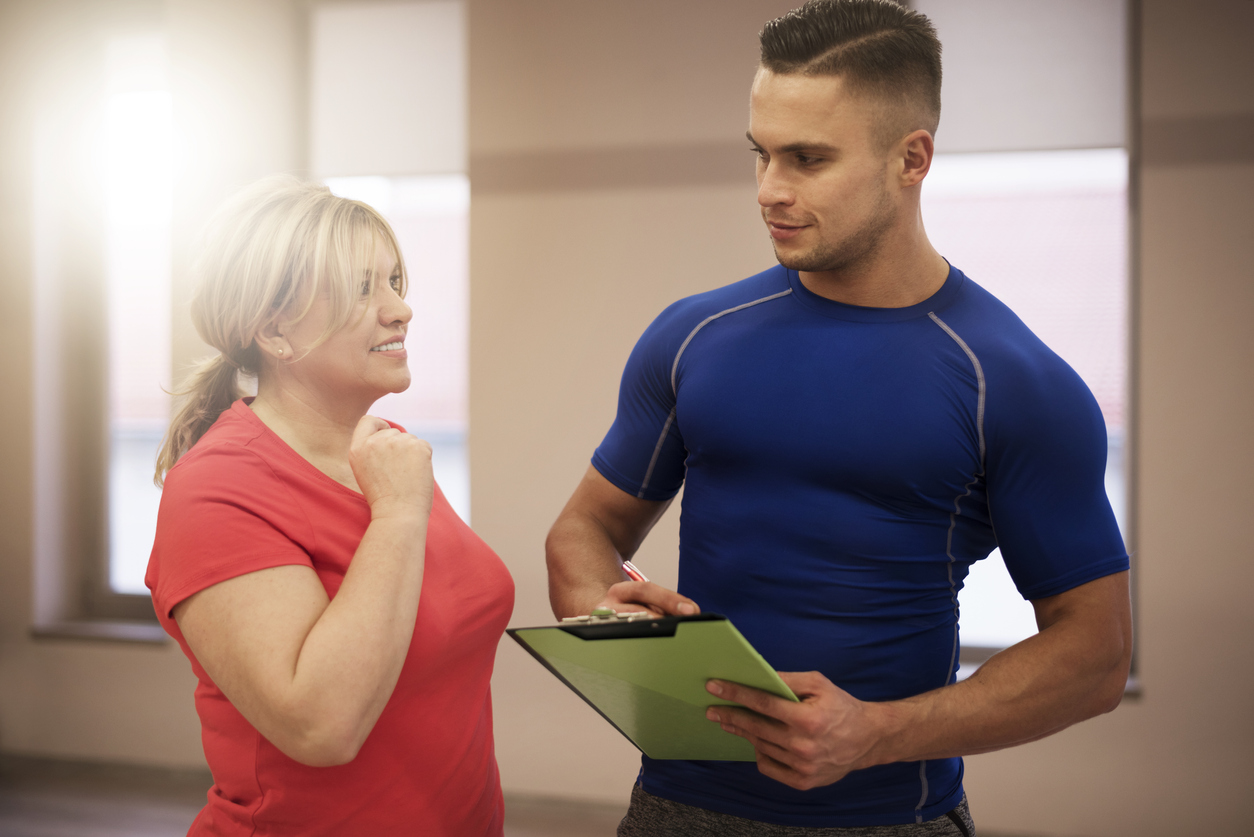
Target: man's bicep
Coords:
[(1105, 602), (626, 519), (1046, 483), (1094, 622)]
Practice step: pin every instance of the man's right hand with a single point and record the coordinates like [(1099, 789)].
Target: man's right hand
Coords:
[(629, 596), (600, 527)]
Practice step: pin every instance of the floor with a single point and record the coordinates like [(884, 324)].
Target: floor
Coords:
[(46, 798)]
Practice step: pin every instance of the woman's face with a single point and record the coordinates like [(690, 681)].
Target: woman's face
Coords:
[(366, 358)]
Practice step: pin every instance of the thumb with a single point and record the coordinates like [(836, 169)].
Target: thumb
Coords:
[(367, 427)]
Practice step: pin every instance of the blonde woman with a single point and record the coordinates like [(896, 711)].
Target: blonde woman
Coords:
[(341, 619)]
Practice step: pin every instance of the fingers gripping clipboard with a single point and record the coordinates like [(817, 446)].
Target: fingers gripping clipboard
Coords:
[(647, 676)]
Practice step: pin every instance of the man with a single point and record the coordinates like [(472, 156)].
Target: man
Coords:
[(854, 428)]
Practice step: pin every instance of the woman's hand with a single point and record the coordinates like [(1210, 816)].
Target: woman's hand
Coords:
[(393, 469), (312, 673)]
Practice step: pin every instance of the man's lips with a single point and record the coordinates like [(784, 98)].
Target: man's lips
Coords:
[(781, 231)]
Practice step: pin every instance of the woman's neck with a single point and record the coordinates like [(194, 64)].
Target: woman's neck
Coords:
[(322, 437)]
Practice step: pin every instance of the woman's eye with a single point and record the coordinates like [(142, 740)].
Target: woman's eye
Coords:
[(365, 288), (395, 282)]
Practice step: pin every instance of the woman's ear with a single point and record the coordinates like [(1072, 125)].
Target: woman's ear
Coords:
[(272, 340)]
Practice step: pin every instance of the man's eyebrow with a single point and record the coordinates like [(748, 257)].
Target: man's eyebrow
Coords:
[(795, 147)]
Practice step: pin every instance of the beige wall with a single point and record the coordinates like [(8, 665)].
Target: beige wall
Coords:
[(568, 268), (1175, 761), (608, 180)]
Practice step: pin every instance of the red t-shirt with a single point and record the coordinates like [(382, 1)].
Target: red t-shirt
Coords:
[(242, 500)]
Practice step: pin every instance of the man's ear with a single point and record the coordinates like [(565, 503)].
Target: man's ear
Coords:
[(272, 340), (917, 150)]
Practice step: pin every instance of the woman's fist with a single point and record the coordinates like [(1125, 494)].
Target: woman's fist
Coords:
[(393, 469)]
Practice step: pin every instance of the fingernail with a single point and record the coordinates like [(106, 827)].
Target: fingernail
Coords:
[(711, 715), (686, 608), (714, 687)]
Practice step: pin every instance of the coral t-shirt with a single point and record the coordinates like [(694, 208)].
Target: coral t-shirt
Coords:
[(241, 500)]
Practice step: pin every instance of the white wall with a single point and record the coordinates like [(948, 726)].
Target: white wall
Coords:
[(1028, 76), (388, 85)]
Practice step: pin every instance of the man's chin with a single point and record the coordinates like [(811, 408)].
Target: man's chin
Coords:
[(808, 262)]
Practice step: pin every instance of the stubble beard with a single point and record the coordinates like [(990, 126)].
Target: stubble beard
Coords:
[(841, 255)]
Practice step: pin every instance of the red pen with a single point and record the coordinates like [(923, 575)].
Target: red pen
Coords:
[(633, 573)]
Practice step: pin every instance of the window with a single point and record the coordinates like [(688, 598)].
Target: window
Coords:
[(136, 161), (431, 218), (1045, 232), (388, 127), (101, 186)]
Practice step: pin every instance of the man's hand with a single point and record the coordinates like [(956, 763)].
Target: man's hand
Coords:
[(627, 596), (1074, 668), (804, 745)]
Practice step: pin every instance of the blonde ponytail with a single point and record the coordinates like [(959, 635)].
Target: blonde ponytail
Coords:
[(266, 253), (211, 388)]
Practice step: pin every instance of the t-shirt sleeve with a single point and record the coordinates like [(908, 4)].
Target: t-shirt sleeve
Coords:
[(643, 453), (222, 515), (1046, 465)]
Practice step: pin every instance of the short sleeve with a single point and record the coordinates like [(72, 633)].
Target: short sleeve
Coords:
[(643, 453), (1046, 466), (223, 514)]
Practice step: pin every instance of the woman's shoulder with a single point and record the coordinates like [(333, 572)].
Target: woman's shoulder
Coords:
[(231, 451)]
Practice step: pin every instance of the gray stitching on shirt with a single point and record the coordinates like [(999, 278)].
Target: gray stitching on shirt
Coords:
[(707, 321), (953, 519), (657, 450), (979, 377), (918, 809)]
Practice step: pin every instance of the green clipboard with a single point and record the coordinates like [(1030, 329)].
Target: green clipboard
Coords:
[(647, 678)]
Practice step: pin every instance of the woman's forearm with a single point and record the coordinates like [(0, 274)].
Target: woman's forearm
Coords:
[(348, 664)]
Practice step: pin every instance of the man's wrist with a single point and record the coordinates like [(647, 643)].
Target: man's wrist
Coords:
[(888, 721)]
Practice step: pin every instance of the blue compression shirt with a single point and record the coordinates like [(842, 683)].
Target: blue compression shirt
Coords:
[(843, 467)]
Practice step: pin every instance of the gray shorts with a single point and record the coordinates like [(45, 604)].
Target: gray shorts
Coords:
[(653, 816)]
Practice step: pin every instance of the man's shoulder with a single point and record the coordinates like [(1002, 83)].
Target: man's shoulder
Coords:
[(992, 330), (1020, 370), (689, 312)]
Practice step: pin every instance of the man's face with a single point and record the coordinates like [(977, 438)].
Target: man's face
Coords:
[(823, 177)]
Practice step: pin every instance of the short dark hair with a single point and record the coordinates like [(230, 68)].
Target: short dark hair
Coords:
[(879, 47)]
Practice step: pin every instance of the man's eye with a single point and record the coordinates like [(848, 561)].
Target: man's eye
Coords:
[(758, 151), (806, 160)]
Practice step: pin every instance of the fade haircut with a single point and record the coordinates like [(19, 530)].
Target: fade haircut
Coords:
[(882, 50)]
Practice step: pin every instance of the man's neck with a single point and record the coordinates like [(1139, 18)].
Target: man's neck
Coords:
[(903, 271)]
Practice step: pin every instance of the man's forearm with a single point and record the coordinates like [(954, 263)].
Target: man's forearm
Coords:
[(1072, 670), (1075, 668), (583, 564)]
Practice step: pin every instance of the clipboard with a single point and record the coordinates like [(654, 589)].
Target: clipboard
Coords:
[(647, 677)]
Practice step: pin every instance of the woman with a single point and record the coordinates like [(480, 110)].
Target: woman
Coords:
[(341, 619)]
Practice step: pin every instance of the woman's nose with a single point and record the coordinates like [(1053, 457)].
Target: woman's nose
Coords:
[(395, 310)]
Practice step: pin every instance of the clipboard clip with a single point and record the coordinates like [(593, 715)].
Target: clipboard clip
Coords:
[(605, 614), (603, 623)]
